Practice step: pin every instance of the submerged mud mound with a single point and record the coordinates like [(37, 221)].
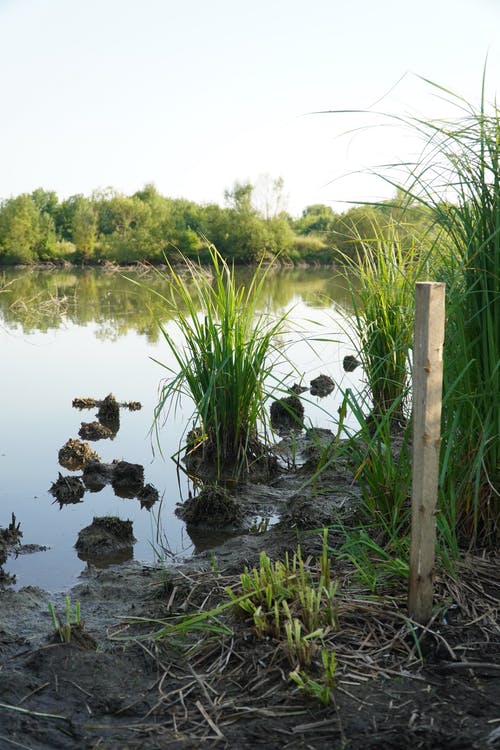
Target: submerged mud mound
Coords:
[(128, 479), (106, 537), (148, 496), (97, 475)]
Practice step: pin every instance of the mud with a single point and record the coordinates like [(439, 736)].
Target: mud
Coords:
[(67, 490), (322, 386), (213, 507), (91, 403), (118, 685), (106, 538), (75, 455), (350, 363), (128, 479), (288, 413)]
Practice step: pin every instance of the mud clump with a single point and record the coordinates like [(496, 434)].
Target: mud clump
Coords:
[(132, 405), (128, 479), (76, 455), (288, 413), (84, 403), (74, 635), (94, 431), (322, 386), (350, 363), (202, 461), (9, 537), (91, 403), (213, 507), (105, 537), (67, 490)]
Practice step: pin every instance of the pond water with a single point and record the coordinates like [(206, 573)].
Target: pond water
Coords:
[(68, 334)]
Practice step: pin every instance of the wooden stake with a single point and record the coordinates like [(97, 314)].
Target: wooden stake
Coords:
[(427, 395)]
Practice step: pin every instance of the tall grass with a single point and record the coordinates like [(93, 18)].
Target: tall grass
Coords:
[(459, 178), (228, 354), (381, 279)]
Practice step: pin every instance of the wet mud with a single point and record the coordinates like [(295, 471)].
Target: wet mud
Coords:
[(119, 684)]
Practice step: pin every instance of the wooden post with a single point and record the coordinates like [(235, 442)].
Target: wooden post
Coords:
[(427, 393)]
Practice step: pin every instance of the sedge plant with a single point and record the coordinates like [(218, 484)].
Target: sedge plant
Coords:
[(72, 619), (458, 179), (226, 358), (381, 279)]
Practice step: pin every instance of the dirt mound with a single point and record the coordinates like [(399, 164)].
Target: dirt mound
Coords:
[(322, 386), (213, 507), (107, 536), (75, 455), (67, 490)]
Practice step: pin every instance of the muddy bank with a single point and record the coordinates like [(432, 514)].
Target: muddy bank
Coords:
[(133, 690), (127, 688)]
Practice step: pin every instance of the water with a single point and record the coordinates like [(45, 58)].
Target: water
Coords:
[(67, 334)]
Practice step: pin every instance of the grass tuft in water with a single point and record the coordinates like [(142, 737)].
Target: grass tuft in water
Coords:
[(227, 356)]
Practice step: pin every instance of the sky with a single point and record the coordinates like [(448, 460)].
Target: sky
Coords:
[(194, 95)]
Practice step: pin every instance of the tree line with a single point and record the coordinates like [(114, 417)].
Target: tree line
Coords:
[(146, 226)]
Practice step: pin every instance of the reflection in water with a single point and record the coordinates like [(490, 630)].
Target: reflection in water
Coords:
[(105, 561), (85, 331), (38, 300)]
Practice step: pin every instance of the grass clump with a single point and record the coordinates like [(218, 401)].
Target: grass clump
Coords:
[(72, 620), (381, 280), (227, 356), (457, 181), (458, 177), (290, 603)]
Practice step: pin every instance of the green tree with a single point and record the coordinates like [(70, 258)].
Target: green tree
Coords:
[(83, 228), (20, 230), (315, 218)]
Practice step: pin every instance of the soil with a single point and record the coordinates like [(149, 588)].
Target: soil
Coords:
[(67, 490), (350, 363), (126, 687), (76, 455), (106, 537), (322, 386), (288, 413)]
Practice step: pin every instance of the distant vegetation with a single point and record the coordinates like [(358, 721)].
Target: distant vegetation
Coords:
[(146, 226)]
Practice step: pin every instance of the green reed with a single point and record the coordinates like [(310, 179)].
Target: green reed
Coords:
[(381, 280), (228, 354), (459, 178)]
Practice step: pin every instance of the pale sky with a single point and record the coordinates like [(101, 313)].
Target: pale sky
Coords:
[(195, 94)]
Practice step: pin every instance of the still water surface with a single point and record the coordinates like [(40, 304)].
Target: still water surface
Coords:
[(67, 334)]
